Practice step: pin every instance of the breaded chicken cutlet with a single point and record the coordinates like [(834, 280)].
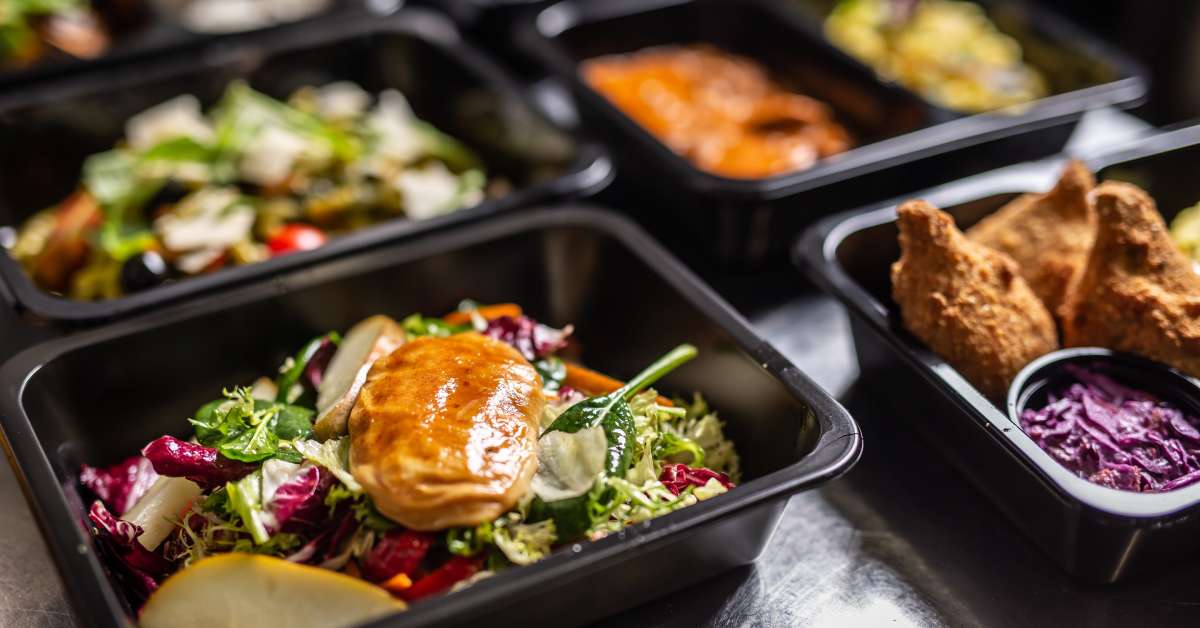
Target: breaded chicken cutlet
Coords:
[(1048, 235), (967, 302), (1138, 292)]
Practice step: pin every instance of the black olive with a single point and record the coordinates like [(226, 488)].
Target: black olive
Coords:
[(142, 271), (171, 192)]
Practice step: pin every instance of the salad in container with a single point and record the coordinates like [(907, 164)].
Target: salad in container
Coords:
[(399, 461), (189, 191)]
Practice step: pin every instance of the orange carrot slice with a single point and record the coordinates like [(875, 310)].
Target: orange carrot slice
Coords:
[(590, 382), (488, 312), (397, 583)]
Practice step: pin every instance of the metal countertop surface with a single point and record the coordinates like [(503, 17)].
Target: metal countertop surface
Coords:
[(901, 540)]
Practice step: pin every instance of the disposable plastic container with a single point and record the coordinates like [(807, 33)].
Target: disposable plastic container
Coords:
[(449, 83), (97, 395)]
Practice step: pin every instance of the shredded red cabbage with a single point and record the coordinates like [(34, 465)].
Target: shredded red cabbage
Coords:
[(141, 569), (1116, 436), (677, 477), (122, 484), (533, 339), (203, 465)]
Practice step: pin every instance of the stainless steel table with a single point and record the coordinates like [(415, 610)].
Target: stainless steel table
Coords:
[(901, 540)]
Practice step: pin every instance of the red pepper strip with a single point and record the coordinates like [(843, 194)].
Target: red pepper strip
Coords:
[(399, 551), (456, 569)]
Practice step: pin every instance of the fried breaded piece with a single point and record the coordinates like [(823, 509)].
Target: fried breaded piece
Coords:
[(1048, 235), (966, 301), (444, 432), (1138, 292)]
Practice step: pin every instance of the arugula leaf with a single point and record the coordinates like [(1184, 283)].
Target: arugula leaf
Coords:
[(612, 412)]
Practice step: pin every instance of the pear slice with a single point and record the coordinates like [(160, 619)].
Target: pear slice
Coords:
[(247, 590), (157, 510), (365, 343)]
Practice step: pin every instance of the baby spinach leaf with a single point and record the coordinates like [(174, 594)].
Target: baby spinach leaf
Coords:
[(612, 412), (293, 422)]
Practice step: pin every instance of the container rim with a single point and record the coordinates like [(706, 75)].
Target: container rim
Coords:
[(590, 171), (837, 447), (163, 32), (815, 252), (538, 37)]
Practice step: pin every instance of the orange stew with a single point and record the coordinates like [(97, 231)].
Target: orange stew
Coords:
[(719, 110)]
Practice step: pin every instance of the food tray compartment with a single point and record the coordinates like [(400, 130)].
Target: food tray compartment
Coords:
[(447, 82), (96, 395), (1094, 533), (750, 221), (147, 27)]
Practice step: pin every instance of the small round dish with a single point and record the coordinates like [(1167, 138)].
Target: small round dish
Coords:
[(1047, 375)]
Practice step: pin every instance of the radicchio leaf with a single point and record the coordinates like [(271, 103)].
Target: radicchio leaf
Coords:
[(120, 485), (533, 339), (314, 370), (203, 465), (299, 503), (677, 477), (141, 568)]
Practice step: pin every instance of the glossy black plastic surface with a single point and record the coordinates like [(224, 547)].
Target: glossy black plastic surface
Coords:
[(144, 28), (446, 81), (747, 221), (97, 395), (1095, 533)]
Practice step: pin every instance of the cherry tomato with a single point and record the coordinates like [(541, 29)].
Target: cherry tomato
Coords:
[(295, 237)]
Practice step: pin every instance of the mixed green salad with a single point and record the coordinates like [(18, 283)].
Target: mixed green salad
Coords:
[(254, 477), (188, 192)]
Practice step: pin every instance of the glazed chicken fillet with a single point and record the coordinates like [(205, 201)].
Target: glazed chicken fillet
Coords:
[(444, 432)]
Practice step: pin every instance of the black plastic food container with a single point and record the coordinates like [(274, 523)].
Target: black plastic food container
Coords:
[(1095, 533), (748, 221), (141, 28), (447, 82), (98, 395)]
